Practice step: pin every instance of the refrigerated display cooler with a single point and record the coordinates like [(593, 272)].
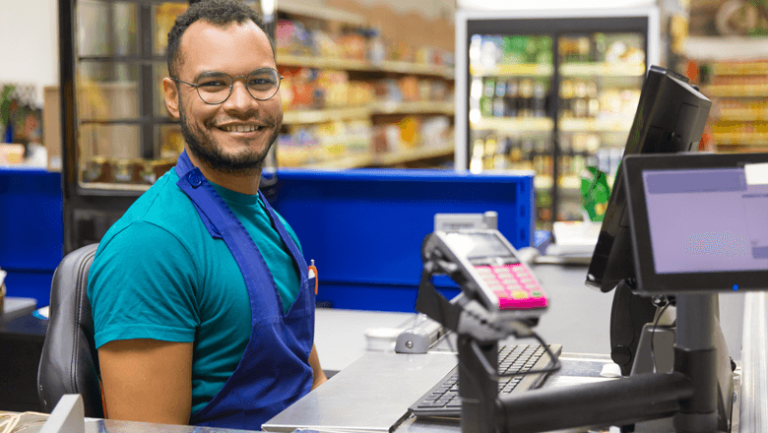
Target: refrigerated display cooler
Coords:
[(553, 91)]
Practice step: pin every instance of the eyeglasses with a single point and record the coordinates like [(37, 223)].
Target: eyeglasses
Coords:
[(215, 87)]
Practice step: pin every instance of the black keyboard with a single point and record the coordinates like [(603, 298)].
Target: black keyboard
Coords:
[(443, 399)]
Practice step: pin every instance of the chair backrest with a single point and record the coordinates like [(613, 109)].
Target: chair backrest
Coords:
[(69, 363)]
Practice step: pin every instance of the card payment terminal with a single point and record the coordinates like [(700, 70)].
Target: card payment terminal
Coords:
[(490, 265)]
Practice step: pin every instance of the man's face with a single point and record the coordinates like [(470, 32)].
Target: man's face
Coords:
[(236, 135)]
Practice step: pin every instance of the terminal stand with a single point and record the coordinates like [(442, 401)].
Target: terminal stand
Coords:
[(689, 393)]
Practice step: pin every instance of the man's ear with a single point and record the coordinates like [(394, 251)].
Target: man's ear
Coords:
[(171, 92)]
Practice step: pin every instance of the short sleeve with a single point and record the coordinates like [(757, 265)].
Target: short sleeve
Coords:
[(142, 284)]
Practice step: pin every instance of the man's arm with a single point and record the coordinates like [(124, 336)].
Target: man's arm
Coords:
[(147, 380), (318, 376)]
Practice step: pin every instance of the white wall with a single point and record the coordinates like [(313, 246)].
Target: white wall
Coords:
[(29, 43)]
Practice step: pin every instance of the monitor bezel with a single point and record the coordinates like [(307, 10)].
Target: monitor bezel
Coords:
[(650, 282)]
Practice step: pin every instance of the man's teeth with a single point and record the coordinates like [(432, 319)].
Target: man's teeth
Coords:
[(240, 128)]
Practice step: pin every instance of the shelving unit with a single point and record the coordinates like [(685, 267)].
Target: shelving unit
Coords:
[(739, 89), (366, 66), (386, 160)]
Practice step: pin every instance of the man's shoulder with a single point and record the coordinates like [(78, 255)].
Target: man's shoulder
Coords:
[(164, 206)]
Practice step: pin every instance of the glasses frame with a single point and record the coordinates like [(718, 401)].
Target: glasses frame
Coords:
[(232, 86)]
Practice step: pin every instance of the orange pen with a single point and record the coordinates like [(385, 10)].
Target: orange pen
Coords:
[(313, 273)]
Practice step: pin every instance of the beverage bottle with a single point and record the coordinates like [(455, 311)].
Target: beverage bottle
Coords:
[(498, 99), (566, 97), (486, 101), (526, 97), (510, 99), (579, 102), (539, 99), (593, 104)]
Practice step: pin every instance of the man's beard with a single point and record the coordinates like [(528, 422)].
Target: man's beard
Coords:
[(209, 151)]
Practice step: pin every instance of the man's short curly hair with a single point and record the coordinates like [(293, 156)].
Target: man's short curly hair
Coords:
[(217, 12)]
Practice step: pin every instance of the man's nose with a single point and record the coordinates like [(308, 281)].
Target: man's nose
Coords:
[(240, 100)]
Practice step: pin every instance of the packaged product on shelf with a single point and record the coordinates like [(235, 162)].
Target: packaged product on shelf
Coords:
[(409, 88), (409, 132), (292, 38), (425, 90), (336, 88), (97, 169), (436, 132), (326, 46), (440, 91), (353, 45), (360, 93), (122, 171), (377, 51)]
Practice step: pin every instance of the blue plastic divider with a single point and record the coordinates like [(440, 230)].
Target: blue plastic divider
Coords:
[(364, 228), (31, 234)]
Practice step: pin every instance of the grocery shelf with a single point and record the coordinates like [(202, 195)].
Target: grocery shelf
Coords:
[(521, 69), (323, 13), (352, 161), (114, 186), (602, 70), (322, 62), (514, 124), (741, 139), (734, 48), (364, 65), (411, 155), (414, 68), (742, 114), (580, 125), (326, 115), (420, 107), (294, 117), (736, 90), (746, 68), (385, 159)]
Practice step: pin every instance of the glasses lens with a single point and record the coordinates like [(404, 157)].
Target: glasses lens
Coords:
[(214, 88), (263, 83)]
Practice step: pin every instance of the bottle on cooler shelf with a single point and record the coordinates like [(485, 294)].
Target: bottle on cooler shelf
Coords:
[(498, 99), (510, 99)]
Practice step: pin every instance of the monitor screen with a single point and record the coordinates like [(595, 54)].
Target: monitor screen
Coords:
[(670, 118), (699, 221)]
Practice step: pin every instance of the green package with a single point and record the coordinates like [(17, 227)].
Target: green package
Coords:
[(595, 193)]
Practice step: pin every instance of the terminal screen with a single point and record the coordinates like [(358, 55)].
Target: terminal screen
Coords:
[(478, 245), (708, 220)]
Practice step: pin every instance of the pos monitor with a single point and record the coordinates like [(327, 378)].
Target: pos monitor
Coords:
[(698, 222), (670, 118)]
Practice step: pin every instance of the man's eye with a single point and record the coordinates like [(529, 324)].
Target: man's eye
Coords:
[(261, 82), (212, 84)]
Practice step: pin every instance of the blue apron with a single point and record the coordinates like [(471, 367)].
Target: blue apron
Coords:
[(274, 371)]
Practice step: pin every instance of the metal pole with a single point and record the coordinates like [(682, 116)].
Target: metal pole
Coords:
[(696, 358)]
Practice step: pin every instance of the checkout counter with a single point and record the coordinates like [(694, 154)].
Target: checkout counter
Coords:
[(378, 386)]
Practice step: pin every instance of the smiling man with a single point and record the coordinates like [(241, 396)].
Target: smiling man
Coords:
[(202, 304)]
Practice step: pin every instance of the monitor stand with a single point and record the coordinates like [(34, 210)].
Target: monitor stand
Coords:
[(664, 337)]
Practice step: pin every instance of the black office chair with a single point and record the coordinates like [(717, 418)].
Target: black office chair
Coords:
[(69, 363)]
